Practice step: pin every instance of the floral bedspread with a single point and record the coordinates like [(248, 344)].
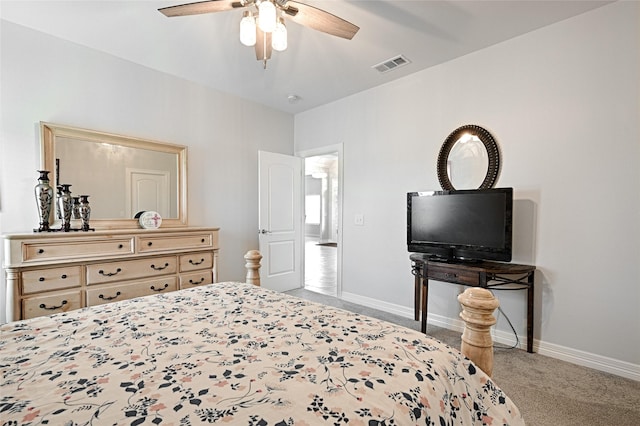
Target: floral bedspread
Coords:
[(232, 353)]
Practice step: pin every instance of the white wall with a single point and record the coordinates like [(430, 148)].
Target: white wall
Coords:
[(563, 104), (47, 79)]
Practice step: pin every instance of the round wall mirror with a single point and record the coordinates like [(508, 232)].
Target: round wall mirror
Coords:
[(469, 159)]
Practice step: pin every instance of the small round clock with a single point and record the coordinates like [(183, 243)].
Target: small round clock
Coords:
[(150, 220)]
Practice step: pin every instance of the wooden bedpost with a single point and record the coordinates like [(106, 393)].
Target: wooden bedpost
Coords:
[(252, 264), (478, 305)]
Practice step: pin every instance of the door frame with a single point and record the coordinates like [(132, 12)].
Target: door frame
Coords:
[(328, 149)]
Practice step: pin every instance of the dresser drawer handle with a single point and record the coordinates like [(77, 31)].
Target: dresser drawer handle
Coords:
[(196, 283), (195, 263), (159, 268), (120, 246), (52, 308), (159, 289), (63, 276), (149, 244), (202, 240), (40, 251), (109, 274), (103, 297)]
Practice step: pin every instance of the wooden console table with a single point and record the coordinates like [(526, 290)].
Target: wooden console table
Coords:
[(490, 275)]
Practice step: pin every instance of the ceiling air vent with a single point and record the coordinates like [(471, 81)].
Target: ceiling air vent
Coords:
[(391, 64)]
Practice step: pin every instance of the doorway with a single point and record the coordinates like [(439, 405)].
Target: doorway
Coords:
[(322, 221)]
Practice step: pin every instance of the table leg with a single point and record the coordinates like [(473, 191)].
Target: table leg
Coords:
[(416, 297), (530, 292), (425, 303)]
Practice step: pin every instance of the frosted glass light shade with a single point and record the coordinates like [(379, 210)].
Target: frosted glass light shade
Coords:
[(267, 16), (248, 29), (279, 38)]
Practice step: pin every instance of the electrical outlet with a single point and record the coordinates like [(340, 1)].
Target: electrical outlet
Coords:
[(358, 219)]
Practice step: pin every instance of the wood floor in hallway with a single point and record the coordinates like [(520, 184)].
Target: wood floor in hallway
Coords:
[(320, 263)]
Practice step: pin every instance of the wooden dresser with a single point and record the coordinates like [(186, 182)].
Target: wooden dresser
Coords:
[(57, 272)]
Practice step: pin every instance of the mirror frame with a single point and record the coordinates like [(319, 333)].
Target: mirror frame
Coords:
[(50, 132), (493, 169)]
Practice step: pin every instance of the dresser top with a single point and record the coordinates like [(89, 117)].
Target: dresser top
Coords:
[(102, 233)]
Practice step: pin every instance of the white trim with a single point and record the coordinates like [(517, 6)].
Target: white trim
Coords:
[(574, 356), (586, 359), (391, 308)]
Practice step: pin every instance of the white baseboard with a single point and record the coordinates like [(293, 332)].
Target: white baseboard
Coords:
[(586, 359), (391, 308), (574, 356)]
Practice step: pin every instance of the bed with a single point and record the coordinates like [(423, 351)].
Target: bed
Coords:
[(236, 353)]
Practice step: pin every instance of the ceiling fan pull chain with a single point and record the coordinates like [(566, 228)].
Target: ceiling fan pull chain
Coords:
[(264, 49)]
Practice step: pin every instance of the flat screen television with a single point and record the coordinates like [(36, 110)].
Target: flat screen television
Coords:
[(461, 225)]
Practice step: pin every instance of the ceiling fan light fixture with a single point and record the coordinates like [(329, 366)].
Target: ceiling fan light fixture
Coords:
[(263, 27), (279, 38), (248, 29), (267, 16)]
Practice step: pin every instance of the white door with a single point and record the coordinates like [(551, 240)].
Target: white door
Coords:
[(280, 220), (148, 191)]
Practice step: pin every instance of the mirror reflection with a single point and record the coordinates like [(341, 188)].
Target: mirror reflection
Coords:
[(121, 180), (121, 175), (468, 162)]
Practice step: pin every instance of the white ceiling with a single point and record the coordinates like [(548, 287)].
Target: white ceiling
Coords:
[(317, 67)]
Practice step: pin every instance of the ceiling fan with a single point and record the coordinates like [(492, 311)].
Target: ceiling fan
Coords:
[(263, 27)]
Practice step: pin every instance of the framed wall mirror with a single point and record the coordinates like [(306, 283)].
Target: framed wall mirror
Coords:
[(469, 159), (122, 175)]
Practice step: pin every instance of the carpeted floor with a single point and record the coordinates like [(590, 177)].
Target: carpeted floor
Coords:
[(549, 392)]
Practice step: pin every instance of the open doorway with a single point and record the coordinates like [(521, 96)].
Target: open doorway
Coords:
[(322, 223)]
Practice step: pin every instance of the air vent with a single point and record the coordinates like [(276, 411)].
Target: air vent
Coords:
[(391, 64)]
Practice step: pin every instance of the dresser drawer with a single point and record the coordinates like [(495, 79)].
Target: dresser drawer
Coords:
[(195, 261), (154, 243), (51, 279), (38, 306), (116, 292), (39, 251), (453, 276), (193, 279), (129, 269)]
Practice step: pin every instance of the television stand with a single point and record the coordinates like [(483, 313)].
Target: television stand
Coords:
[(489, 275)]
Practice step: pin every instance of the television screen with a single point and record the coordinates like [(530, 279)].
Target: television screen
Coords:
[(461, 224)]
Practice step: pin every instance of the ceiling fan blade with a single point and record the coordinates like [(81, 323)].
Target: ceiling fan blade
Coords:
[(263, 45), (201, 7), (321, 20)]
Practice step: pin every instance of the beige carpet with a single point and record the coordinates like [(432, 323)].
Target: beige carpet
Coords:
[(549, 392)]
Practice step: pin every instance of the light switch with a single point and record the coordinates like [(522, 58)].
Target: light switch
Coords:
[(358, 219)]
